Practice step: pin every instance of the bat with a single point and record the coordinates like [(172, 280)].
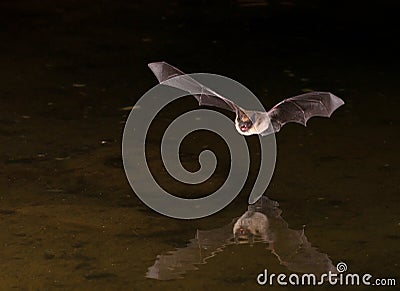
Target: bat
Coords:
[(247, 122), (261, 223)]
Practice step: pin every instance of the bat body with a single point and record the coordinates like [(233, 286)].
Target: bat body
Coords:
[(247, 122)]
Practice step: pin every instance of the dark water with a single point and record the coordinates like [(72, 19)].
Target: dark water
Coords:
[(68, 217)]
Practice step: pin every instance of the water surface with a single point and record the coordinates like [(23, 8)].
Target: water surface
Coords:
[(69, 218)]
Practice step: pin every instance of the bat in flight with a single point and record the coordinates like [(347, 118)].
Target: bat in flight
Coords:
[(247, 122)]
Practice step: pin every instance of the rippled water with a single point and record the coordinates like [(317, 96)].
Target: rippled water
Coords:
[(70, 220)]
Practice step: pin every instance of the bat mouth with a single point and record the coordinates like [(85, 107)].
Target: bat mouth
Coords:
[(243, 234), (244, 127)]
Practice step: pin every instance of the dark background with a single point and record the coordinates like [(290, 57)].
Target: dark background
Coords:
[(68, 67)]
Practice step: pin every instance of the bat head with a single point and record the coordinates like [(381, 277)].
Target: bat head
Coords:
[(250, 225), (243, 235), (243, 123)]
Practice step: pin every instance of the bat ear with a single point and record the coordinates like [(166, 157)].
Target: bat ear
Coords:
[(239, 113)]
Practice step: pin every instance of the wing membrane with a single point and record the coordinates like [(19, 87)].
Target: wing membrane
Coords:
[(170, 76), (302, 107)]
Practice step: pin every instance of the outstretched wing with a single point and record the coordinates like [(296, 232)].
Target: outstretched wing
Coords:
[(206, 244), (170, 76), (302, 107)]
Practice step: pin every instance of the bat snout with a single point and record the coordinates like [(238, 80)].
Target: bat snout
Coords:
[(242, 234), (245, 126)]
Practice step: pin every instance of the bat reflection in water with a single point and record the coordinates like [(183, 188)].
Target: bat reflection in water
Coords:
[(295, 109), (261, 223)]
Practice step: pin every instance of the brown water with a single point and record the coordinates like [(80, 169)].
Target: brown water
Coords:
[(69, 219)]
